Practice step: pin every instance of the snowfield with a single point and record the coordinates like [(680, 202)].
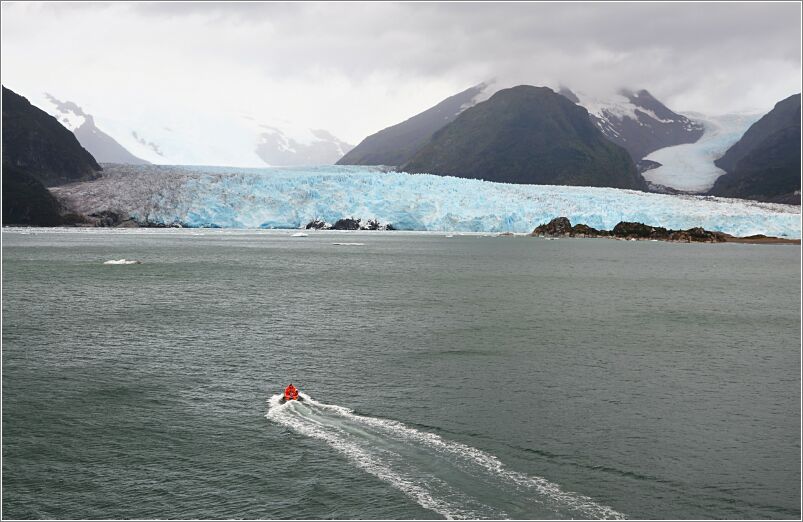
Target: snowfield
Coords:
[(690, 167), (292, 197), (202, 138)]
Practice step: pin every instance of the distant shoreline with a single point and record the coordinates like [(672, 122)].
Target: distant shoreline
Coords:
[(751, 240)]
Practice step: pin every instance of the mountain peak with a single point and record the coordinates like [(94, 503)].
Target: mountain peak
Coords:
[(396, 145), (527, 135), (636, 120)]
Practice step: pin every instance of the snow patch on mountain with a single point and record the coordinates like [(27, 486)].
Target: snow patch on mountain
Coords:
[(293, 197), (690, 167), (636, 120), (170, 136), (615, 106), (103, 147), (68, 113)]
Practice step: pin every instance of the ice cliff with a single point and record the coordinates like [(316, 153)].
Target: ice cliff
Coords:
[(292, 197)]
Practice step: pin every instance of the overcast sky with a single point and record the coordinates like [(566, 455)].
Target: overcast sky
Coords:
[(354, 68)]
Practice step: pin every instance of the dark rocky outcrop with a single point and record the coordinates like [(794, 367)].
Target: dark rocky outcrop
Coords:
[(527, 135), (397, 144), (561, 227), (348, 224), (26, 201), (581, 230), (765, 164), (630, 230), (38, 152), (643, 165), (37, 144), (317, 224), (627, 229)]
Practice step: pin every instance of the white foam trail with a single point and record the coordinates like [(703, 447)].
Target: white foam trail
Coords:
[(349, 244), (444, 476), (122, 262)]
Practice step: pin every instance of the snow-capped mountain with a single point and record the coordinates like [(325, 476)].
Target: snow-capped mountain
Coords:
[(637, 121), (175, 137), (103, 147), (304, 147)]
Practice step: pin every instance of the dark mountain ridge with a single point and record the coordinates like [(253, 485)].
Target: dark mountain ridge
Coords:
[(398, 143), (765, 164), (39, 145), (37, 152), (528, 135)]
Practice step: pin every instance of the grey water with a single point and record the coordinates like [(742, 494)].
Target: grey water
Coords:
[(463, 377)]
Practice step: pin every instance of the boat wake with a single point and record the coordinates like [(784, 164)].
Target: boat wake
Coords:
[(452, 479)]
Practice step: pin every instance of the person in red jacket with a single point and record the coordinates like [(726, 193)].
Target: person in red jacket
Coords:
[(290, 393)]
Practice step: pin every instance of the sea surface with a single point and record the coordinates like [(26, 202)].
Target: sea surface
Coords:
[(445, 377)]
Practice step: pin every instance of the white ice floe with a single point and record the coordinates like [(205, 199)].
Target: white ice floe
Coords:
[(122, 262)]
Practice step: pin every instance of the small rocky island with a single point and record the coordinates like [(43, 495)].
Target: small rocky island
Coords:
[(349, 223), (562, 227)]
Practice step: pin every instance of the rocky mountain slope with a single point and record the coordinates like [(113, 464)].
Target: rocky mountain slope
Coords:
[(527, 135), (37, 152), (103, 147), (765, 164), (39, 145), (637, 121), (397, 144)]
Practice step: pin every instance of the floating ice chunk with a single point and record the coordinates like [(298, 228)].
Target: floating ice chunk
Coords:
[(122, 262)]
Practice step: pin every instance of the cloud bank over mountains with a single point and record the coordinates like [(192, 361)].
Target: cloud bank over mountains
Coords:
[(356, 68)]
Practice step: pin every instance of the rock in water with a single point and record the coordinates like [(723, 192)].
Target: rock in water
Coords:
[(560, 226), (346, 224), (630, 230)]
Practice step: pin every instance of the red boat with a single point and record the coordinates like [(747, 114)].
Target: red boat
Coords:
[(291, 394)]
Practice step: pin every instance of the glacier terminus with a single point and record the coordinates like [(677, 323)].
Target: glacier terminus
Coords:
[(289, 198)]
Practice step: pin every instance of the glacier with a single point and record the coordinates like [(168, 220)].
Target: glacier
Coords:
[(690, 167), (290, 198)]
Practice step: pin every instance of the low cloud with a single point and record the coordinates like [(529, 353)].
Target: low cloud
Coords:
[(354, 68)]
